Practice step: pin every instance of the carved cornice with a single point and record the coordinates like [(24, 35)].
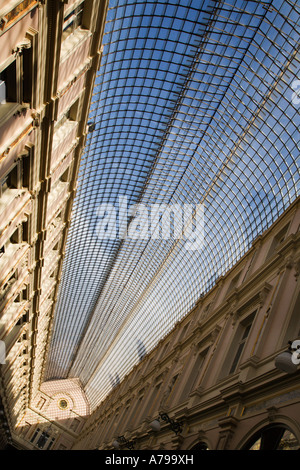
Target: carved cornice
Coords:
[(272, 413), (18, 49), (240, 303)]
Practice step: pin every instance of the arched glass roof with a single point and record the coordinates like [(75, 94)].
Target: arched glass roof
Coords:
[(195, 107)]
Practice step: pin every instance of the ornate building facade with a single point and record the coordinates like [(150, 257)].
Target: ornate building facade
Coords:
[(50, 52), (215, 375)]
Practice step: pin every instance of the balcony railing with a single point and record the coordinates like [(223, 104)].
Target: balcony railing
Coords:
[(57, 199), (64, 139), (11, 203), (11, 316)]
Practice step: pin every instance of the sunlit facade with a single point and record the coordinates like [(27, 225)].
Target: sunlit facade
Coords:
[(149, 167), (49, 55)]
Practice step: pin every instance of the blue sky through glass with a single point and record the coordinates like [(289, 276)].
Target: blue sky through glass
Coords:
[(192, 104)]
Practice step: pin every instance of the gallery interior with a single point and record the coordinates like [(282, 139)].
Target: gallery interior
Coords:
[(149, 225)]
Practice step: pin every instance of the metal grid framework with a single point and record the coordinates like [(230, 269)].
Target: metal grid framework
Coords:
[(194, 103)]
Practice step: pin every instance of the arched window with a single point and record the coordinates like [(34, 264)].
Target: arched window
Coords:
[(273, 437), (200, 446)]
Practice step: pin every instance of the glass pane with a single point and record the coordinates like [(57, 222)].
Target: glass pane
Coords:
[(256, 445), (288, 442), (193, 104)]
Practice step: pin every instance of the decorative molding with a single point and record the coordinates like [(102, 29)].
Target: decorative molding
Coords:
[(215, 333), (3, 22), (271, 403), (233, 313), (272, 413), (16, 13), (36, 120), (297, 268), (227, 427), (263, 294), (25, 44)]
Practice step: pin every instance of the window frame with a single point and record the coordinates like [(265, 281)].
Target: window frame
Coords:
[(246, 317), (244, 335), (79, 33), (76, 10), (237, 349), (19, 174), (12, 106), (22, 59)]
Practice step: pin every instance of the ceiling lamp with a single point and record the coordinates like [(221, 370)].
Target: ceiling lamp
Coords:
[(288, 361)]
